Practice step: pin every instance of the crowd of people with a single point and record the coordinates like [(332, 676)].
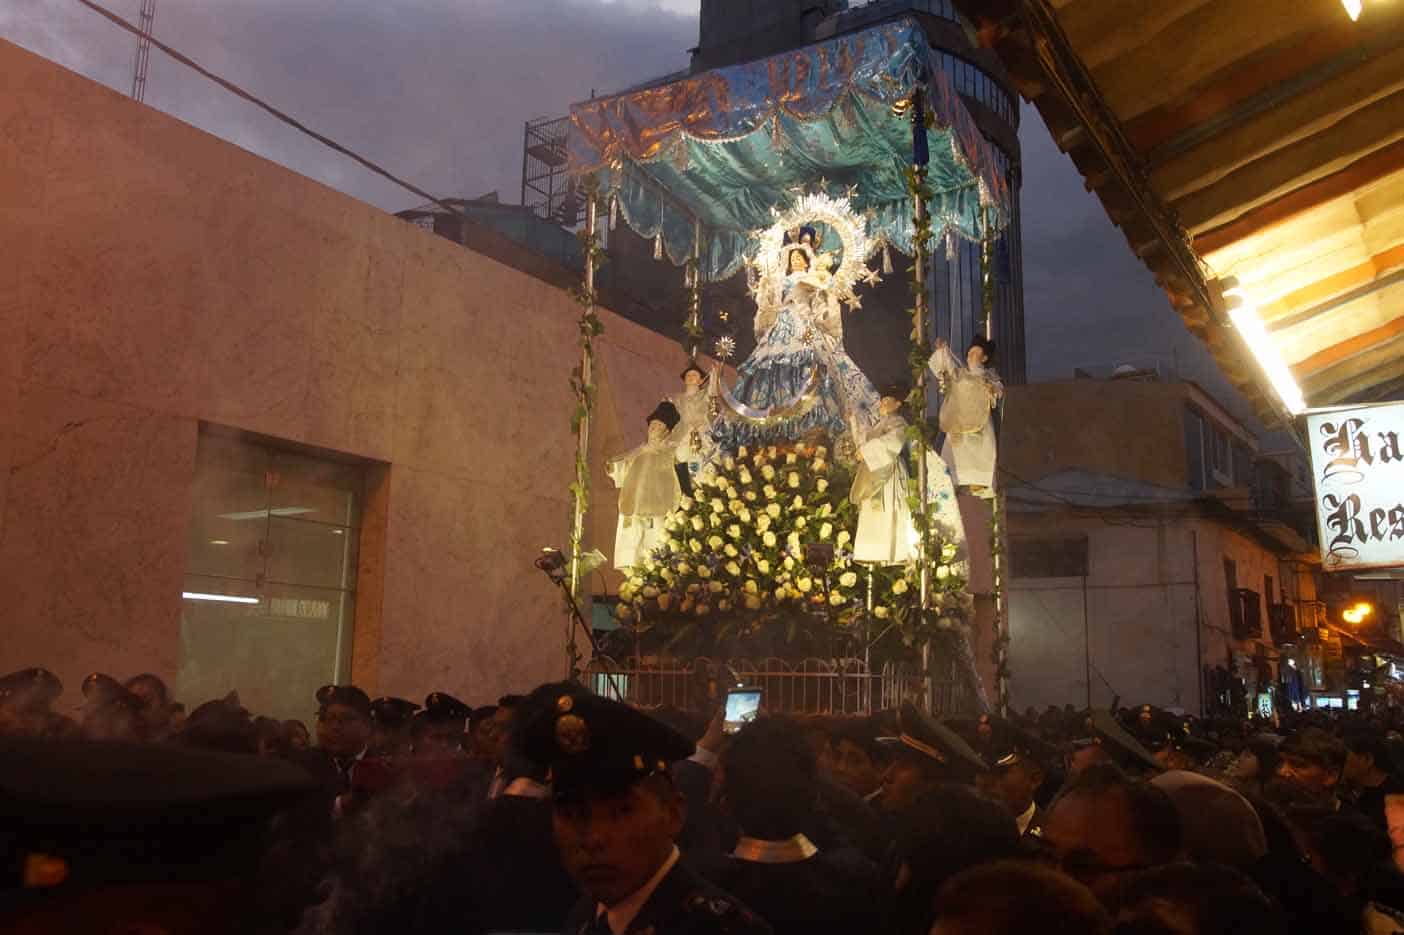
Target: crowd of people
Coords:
[(562, 811)]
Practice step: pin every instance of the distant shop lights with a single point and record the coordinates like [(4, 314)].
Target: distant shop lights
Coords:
[(1358, 613)]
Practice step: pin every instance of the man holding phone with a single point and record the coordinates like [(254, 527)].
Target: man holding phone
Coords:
[(742, 706)]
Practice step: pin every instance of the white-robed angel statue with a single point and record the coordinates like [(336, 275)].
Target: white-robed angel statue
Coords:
[(649, 489), (970, 393), (693, 433), (799, 378), (886, 534)]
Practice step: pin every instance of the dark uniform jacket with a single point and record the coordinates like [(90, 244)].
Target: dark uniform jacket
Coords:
[(839, 892), (683, 904)]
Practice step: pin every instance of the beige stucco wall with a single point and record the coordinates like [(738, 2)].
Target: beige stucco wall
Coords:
[(155, 277)]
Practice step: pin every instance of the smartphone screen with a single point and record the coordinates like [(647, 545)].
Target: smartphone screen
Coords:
[(742, 706)]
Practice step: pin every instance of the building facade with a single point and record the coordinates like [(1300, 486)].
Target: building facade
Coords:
[(1154, 556)]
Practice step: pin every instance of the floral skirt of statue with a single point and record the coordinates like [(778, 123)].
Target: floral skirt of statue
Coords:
[(798, 380)]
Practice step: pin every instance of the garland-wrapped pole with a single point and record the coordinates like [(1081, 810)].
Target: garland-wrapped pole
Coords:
[(692, 325), (921, 239), (583, 382), (1000, 629)]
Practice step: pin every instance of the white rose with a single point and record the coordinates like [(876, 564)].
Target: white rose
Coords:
[(805, 584), (797, 503), (899, 586), (751, 586), (801, 522), (715, 542), (763, 566), (733, 569), (848, 579), (822, 485), (769, 492), (793, 479), (730, 551), (716, 587), (697, 523), (943, 572), (769, 540), (768, 472), (835, 598), (826, 530), (773, 510), (734, 531), (881, 612), (703, 571), (745, 476), (694, 545), (843, 537)]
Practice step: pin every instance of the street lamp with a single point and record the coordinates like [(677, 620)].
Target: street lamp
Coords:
[(1357, 613)]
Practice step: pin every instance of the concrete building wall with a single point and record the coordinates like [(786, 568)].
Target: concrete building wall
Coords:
[(1127, 629), (1118, 428), (157, 278)]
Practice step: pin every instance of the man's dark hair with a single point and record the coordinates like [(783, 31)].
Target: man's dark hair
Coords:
[(1372, 743), (1212, 899), (1315, 746), (481, 714), (1012, 897), (769, 779), (1153, 819)]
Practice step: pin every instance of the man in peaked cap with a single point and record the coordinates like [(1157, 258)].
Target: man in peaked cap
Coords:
[(110, 712), (390, 720), (122, 837), (1109, 742), (439, 730), (926, 753), (616, 815), (1018, 767), (343, 727), (26, 699)]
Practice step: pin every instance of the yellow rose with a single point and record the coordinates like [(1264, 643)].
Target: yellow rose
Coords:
[(801, 522), (695, 546), (742, 452), (780, 594), (697, 523), (684, 568), (730, 551), (793, 479), (729, 462), (731, 493), (734, 505), (881, 612), (820, 452), (715, 542), (685, 503), (649, 592), (826, 530), (773, 509), (745, 476), (753, 602), (751, 586), (744, 515), (797, 503), (948, 551), (734, 531), (789, 563), (762, 522), (763, 566), (843, 537), (674, 544), (793, 542), (733, 569), (768, 472), (805, 584), (714, 521), (943, 572), (835, 598), (821, 485), (717, 505), (848, 579), (716, 587), (750, 496), (769, 492), (650, 564), (769, 539), (899, 586), (703, 571), (819, 466), (826, 509)]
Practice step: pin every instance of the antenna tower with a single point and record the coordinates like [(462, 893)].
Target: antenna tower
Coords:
[(143, 49)]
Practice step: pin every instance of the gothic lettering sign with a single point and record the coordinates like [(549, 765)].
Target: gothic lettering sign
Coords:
[(1357, 460)]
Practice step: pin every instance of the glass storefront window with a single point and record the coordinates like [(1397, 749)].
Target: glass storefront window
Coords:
[(268, 601)]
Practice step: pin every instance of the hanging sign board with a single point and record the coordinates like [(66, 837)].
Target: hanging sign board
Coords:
[(1357, 463)]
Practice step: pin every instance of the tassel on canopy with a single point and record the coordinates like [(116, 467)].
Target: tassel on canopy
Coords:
[(658, 245), (886, 260)]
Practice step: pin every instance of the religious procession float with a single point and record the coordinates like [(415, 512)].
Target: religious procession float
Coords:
[(794, 510)]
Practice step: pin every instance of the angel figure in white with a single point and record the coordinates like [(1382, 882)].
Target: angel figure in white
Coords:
[(649, 489), (970, 393), (693, 434), (886, 534)]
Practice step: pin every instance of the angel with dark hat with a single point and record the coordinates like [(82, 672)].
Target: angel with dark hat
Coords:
[(970, 392), (886, 534), (648, 488)]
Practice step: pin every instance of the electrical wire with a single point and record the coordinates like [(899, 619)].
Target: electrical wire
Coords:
[(263, 105)]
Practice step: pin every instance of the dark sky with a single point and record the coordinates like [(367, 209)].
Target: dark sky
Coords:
[(438, 91)]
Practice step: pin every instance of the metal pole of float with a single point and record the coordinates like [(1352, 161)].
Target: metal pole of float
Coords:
[(921, 256), (582, 450), (997, 562)]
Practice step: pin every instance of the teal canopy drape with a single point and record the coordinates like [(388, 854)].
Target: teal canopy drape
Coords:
[(717, 151)]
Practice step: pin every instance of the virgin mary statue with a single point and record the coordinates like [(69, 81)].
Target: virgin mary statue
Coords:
[(799, 378)]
